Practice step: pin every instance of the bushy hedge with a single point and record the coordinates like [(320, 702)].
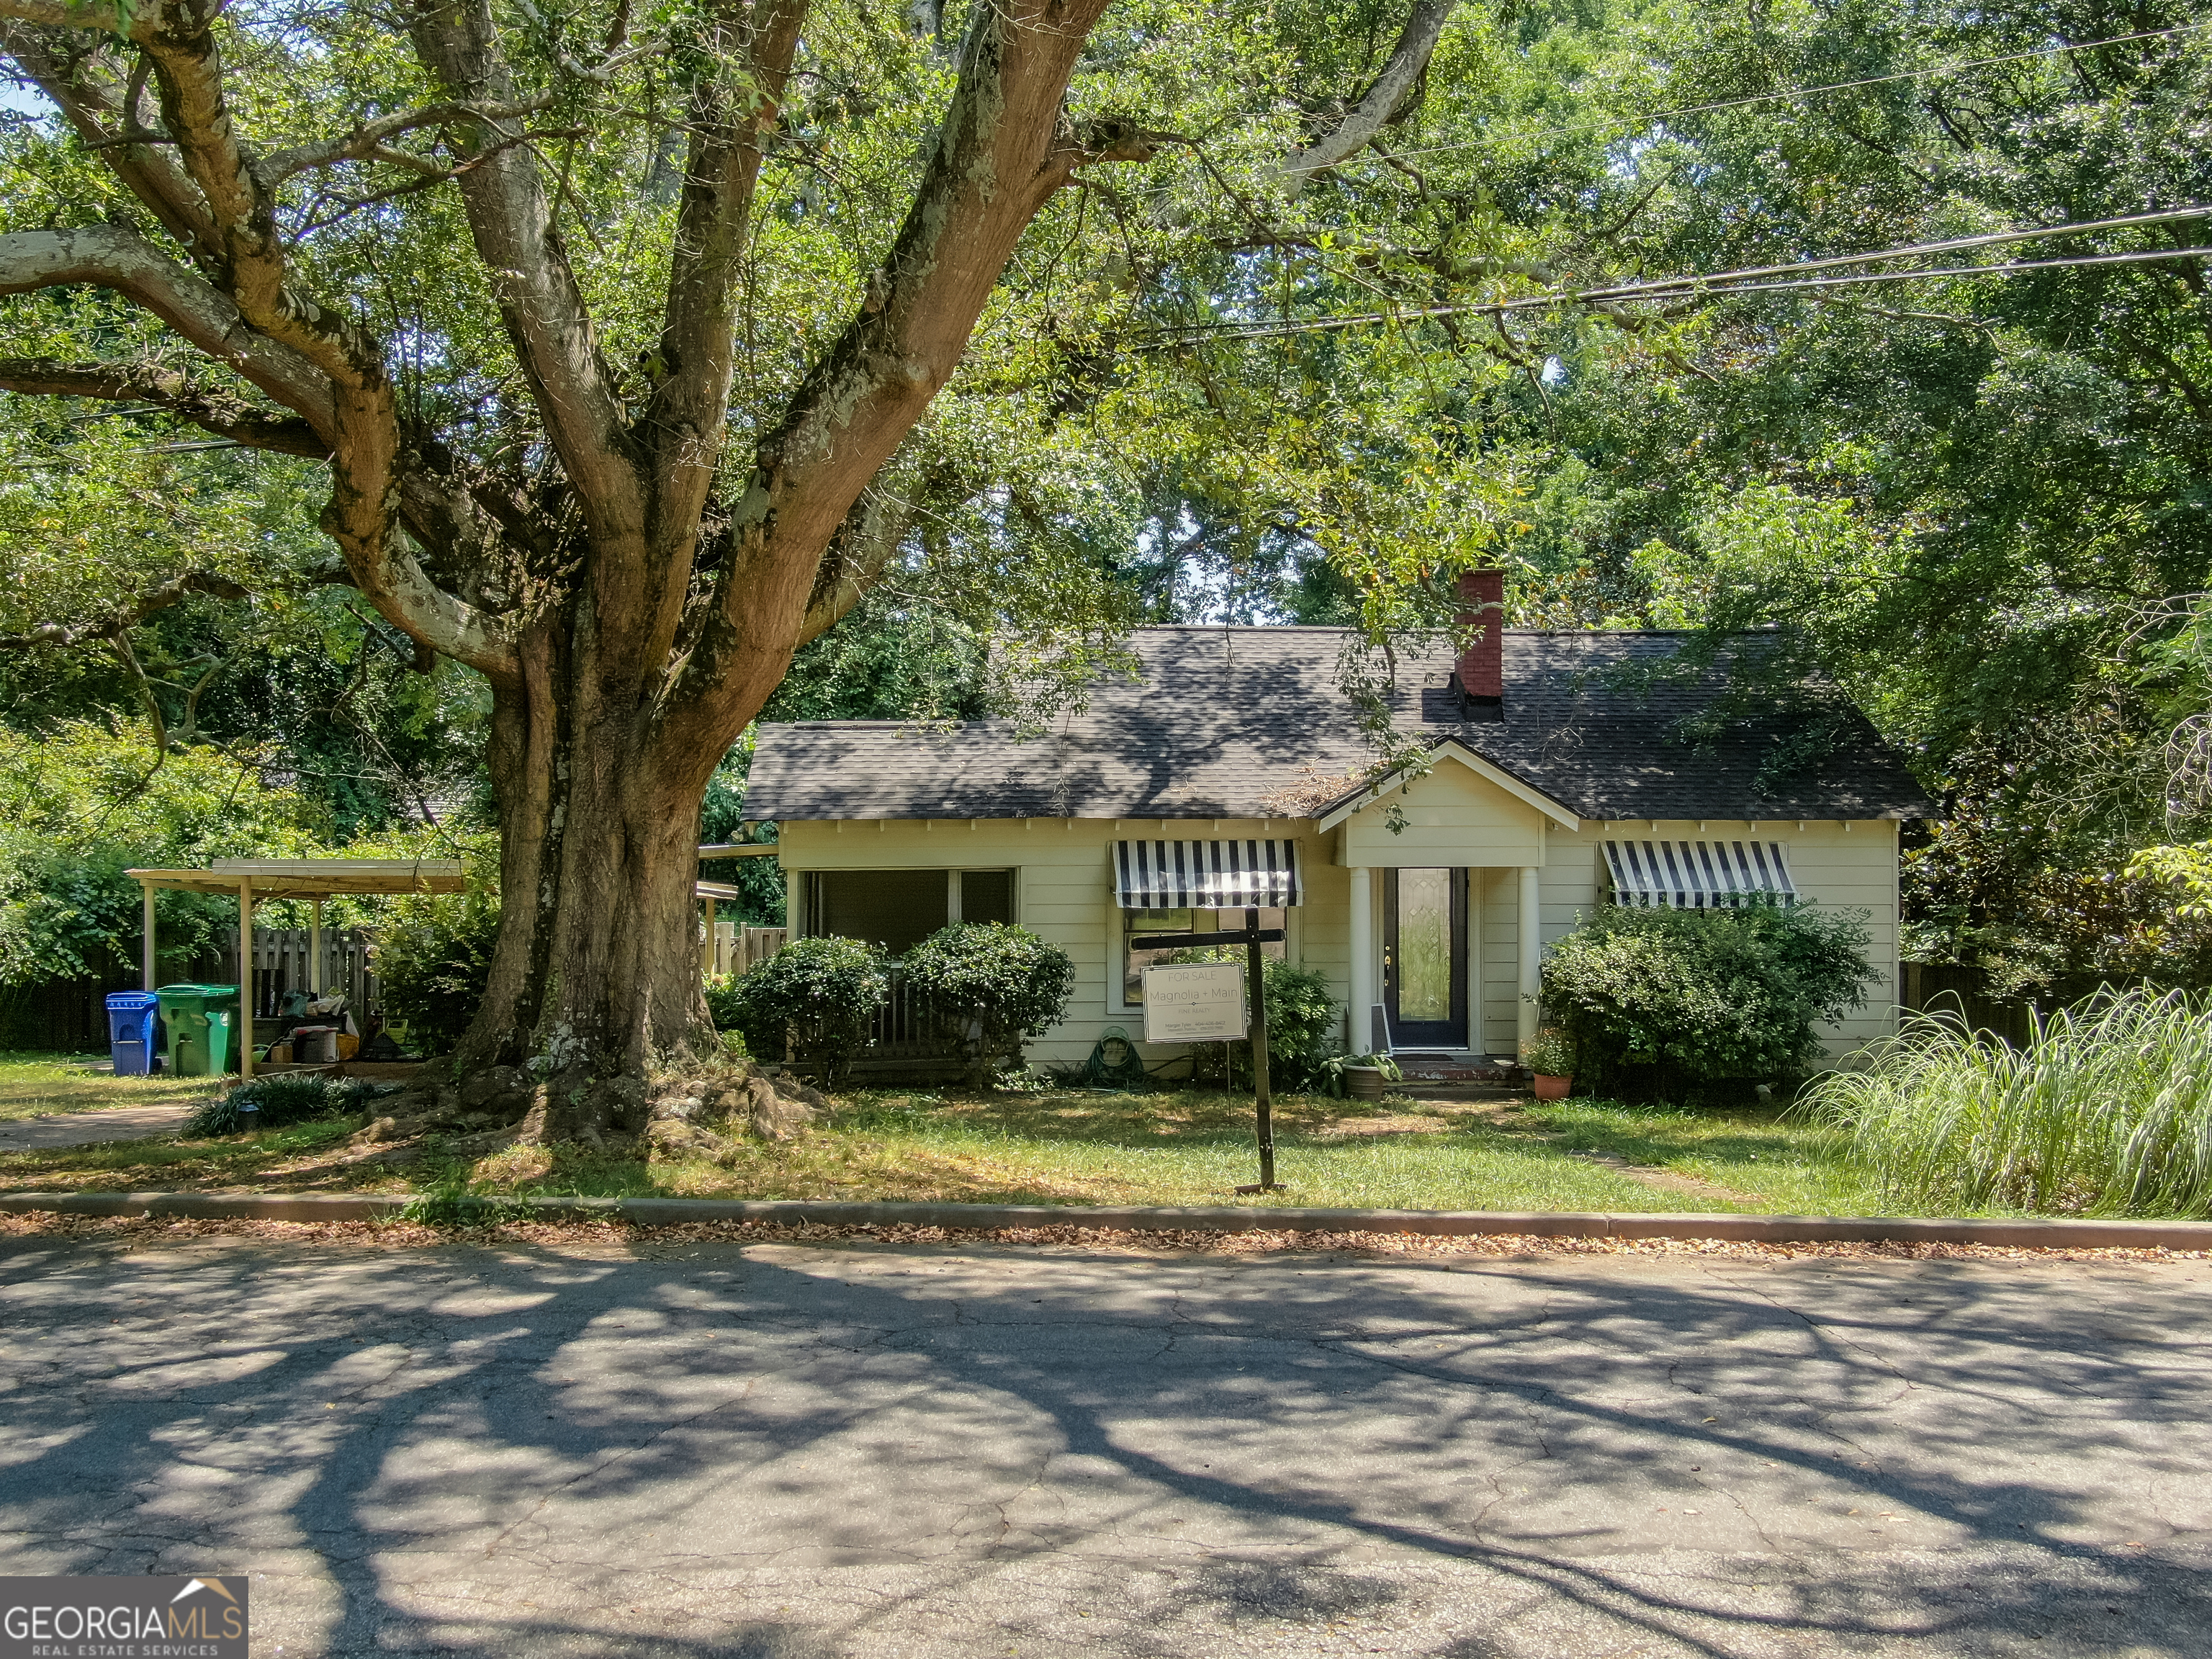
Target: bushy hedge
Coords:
[(433, 959), (823, 993), (1701, 996), (995, 982)]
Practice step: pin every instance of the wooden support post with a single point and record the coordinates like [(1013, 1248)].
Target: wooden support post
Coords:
[(152, 967), (707, 938), (315, 950), (244, 1036)]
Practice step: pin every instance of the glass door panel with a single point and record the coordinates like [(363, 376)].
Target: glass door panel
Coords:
[(1424, 957)]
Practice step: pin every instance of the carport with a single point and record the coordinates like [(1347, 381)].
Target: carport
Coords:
[(313, 879)]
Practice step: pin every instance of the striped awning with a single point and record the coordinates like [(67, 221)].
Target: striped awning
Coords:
[(1206, 875), (1698, 875)]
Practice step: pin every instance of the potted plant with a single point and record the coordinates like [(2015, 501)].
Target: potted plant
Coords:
[(1365, 1074), (1550, 1057)]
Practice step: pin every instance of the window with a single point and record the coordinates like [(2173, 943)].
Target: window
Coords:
[(986, 895), (895, 909), (899, 909), (1135, 957)]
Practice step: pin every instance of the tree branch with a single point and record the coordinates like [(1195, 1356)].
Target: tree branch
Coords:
[(107, 118), (169, 390), (1386, 99), (1003, 149), (535, 285), (684, 421), (370, 140), (128, 263), (159, 596)]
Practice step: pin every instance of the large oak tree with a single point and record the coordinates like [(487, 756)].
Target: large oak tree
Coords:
[(363, 233)]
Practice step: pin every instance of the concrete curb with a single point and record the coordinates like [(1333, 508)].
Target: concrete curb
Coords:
[(669, 1211)]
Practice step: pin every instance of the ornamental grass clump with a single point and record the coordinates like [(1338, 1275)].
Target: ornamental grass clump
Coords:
[(2107, 1110)]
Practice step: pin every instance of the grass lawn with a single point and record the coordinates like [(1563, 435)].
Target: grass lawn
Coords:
[(1053, 1148), (1785, 1166), (1071, 1147), (31, 1085)]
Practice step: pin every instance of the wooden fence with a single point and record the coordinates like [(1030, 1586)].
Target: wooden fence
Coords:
[(283, 961), (736, 949), (1963, 993)]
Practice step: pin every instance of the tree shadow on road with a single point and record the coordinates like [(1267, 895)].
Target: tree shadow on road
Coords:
[(468, 1449)]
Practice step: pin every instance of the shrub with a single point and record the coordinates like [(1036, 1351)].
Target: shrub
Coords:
[(288, 1098), (1703, 996), (2108, 1109), (821, 992), (1301, 1026), (433, 959), (998, 982), (722, 1001), (1302, 1052)]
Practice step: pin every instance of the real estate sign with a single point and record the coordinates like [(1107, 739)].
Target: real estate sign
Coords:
[(1194, 1002)]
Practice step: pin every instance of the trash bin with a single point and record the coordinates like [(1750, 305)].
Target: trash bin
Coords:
[(130, 1031), (200, 1018)]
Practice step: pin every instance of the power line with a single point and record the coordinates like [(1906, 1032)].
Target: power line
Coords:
[(1955, 67), (1681, 287), (1915, 249)]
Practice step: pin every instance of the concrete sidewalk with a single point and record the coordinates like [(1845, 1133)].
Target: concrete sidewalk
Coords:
[(52, 1129), (695, 1449)]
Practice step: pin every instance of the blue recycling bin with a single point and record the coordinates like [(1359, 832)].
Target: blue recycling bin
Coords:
[(130, 1031)]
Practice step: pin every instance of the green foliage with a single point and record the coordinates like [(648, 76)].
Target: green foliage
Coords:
[(819, 994), (286, 1098), (1000, 981), (1704, 995), (2108, 1111), (1550, 1053), (1301, 1021), (723, 1001), (434, 958), (80, 805)]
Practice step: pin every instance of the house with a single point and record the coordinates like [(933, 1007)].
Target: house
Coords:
[(1558, 778)]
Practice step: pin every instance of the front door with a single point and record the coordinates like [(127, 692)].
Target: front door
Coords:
[(1425, 957)]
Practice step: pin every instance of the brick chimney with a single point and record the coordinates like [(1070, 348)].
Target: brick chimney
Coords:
[(1480, 675)]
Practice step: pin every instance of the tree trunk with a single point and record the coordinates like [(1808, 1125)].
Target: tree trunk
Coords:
[(595, 978)]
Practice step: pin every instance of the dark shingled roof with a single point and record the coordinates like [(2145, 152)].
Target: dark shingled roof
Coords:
[(1240, 722)]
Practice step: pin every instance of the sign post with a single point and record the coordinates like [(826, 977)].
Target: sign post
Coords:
[(1263, 1104), (1204, 1002)]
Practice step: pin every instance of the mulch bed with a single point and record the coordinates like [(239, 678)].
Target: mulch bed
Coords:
[(143, 1231)]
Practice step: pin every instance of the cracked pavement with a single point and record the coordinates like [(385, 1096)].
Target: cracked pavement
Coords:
[(817, 1452)]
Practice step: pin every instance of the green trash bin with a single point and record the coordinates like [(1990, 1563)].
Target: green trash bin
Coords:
[(200, 1019)]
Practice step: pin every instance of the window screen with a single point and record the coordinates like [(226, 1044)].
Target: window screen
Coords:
[(895, 909)]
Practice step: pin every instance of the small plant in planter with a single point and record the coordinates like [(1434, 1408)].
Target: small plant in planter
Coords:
[(1361, 1077), (1550, 1057)]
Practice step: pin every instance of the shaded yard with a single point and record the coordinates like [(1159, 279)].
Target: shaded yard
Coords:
[(34, 1084), (1059, 1147)]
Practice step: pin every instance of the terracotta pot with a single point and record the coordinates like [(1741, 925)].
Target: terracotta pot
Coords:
[(1364, 1082), (1553, 1088)]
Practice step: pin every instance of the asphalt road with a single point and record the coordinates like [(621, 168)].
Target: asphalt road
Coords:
[(710, 1450)]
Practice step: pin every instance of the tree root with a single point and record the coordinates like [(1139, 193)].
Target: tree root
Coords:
[(698, 1112)]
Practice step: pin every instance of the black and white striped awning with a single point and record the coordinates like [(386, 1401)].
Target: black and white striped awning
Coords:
[(1698, 875), (1206, 875)]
